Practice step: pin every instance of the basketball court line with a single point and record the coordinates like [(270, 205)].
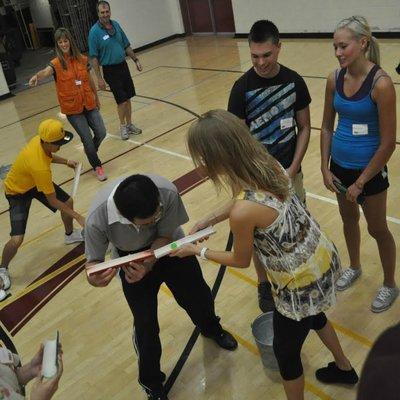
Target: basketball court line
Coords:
[(242, 72), (57, 105), (309, 194)]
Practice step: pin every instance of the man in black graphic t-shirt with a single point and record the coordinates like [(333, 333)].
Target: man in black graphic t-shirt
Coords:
[(274, 102)]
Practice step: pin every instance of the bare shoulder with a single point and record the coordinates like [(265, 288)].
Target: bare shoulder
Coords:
[(332, 76), (382, 80), (258, 215), (383, 91), (331, 80)]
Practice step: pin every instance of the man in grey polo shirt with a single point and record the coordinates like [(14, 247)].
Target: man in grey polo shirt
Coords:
[(137, 213)]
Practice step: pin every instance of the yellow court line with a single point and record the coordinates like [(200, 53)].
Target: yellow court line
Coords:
[(36, 238), (346, 331), (254, 350), (41, 281), (352, 334)]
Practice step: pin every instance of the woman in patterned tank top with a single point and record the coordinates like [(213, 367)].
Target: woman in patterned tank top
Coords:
[(302, 264)]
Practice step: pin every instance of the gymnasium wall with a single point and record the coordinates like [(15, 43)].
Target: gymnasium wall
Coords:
[(146, 21), (311, 16)]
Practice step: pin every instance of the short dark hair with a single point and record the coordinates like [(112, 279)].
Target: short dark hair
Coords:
[(137, 196), (264, 31), (102, 3)]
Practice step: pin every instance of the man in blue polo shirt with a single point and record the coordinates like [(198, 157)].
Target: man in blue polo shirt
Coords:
[(108, 46)]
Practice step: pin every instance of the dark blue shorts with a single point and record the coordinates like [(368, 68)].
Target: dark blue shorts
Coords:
[(21, 203)]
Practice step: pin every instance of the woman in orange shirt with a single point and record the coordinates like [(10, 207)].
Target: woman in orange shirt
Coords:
[(77, 95)]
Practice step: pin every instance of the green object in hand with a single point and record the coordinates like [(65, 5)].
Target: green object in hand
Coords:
[(173, 246)]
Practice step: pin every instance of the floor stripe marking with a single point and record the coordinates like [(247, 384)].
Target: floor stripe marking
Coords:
[(309, 194), (41, 281), (332, 201), (51, 294), (149, 146)]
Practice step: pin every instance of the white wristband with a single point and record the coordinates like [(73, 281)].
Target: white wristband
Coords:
[(203, 253)]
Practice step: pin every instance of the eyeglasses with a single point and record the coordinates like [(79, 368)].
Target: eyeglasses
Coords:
[(155, 218)]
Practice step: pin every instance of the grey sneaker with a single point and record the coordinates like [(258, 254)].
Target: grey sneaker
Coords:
[(5, 278), (384, 299), (3, 294), (123, 130), (134, 130), (74, 237), (349, 276), (265, 299)]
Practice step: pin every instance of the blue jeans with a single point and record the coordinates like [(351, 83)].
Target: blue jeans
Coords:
[(82, 124)]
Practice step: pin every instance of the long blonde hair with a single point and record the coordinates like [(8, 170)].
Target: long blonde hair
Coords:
[(359, 27), (73, 49), (222, 144)]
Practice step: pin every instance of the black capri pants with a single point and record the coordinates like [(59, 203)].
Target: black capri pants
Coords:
[(289, 336)]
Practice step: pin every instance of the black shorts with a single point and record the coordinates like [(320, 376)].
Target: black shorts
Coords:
[(118, 77), (289, 336), (378, 184), (21, 203)]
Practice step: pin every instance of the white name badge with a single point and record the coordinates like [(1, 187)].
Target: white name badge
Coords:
[(78, 83), (286, 123), (6, 356), (360, 129), (105, 37)]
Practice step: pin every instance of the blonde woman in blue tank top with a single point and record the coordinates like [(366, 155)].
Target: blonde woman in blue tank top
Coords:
[(265, 215), (356, 154)]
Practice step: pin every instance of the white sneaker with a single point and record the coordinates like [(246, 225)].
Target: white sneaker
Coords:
[(5, 277), (133, 129), (74, 237), (349, 276), (384, 298), (3, 294), (123, 130)]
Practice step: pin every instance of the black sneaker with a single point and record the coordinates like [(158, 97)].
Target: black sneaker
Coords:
[(156, 395), (265, 299), (224, 339), (333, 374), (163, 377)]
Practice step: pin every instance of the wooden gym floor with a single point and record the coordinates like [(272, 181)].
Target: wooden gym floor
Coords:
[(180, 79)]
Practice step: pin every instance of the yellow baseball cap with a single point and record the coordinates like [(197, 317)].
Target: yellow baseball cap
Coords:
[(52, 131)]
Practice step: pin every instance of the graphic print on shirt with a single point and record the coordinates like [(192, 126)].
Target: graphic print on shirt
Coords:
[(266, 108)]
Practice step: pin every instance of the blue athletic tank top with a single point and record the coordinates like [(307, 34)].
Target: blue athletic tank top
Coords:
[(357, 133)]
